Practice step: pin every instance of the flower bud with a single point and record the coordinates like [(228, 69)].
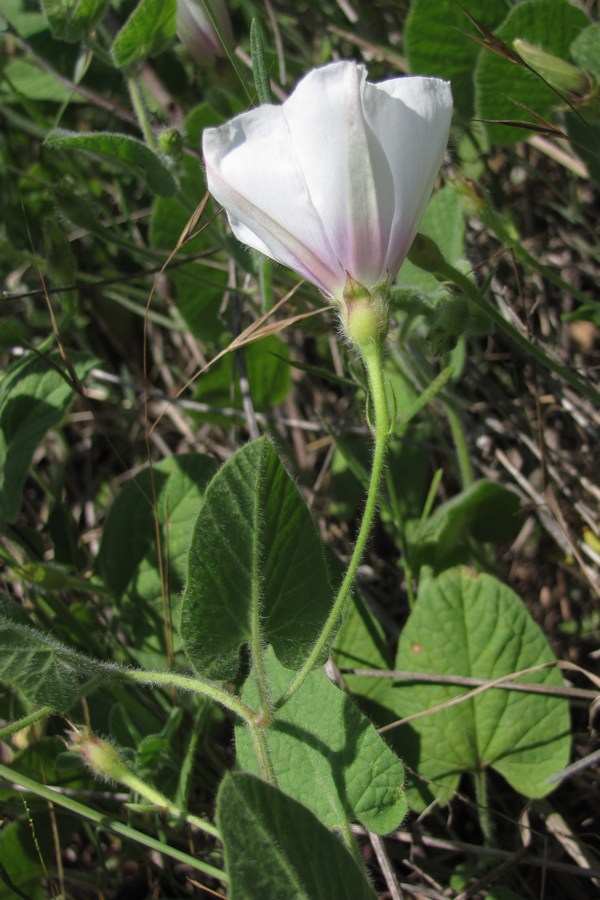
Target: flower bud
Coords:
[(364, 313), (196, 32), (170, 142), (559, 74), (101, 757)]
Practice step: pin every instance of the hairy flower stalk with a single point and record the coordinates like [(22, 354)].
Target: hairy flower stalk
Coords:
[(333, 184)]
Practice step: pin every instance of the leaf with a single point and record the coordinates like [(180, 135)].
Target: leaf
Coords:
[(24, 77), (501, 86), (157, 757), (326, 754), (472, 625), (443, 44), (585, 49), (444, 223), (25, 20), (275, 847), (361, 644), (124, 152), (128, 561), (21, 873), (485, 511), (70, 20), (41, 668), (583, 127), (34, 397), (255, 556), (584, 133), (146, 32)]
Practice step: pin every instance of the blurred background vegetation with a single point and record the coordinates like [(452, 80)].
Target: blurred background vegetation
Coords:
[(122, 293)]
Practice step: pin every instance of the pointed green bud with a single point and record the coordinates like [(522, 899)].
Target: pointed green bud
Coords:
[(101, 757), (559, 74), (364, 313), (170, 143)]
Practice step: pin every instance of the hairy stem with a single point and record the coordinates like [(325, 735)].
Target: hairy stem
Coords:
[(134, 783), (371, 354), (483, 807), (194, 685), (104, 820), (262, 754), (42, 713), (141, 114)]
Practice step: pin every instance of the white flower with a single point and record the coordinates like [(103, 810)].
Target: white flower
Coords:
[(196, 32), (334, 182)]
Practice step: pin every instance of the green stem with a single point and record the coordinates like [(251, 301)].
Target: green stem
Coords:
[(483, 807), (187, 683), (134, 783), (31, 719), (262, 754), (105, 821), (351, 843), (256, 646), (141, 114), (467, 476), (373, 363)]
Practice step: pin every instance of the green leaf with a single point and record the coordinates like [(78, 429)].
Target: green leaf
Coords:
[(584, 133), (583, 126), (585, 49), (444, 223), (326, 754), (361, 644), (472, 625), (70, 20), (25, 20), (128, 561), (157, 756), (485, 511), (41, 668), (255, 556), (443, 45), (275, 847), (21, 872), (146, 32), (125, 152), (24, 77), (34, 397), (501, 85)]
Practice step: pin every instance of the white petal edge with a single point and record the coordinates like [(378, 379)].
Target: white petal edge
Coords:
[(253, 172), (411, 117), (347, 175)]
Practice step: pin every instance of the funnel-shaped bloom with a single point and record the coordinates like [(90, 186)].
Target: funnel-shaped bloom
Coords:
[(196, 32), (334, 182)]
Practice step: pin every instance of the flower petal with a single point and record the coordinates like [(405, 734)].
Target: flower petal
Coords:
[(253, 171), (347, 175), (411, 118)]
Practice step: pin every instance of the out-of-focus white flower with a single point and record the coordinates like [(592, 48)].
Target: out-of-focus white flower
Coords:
[(196, 32), (334, 182)]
